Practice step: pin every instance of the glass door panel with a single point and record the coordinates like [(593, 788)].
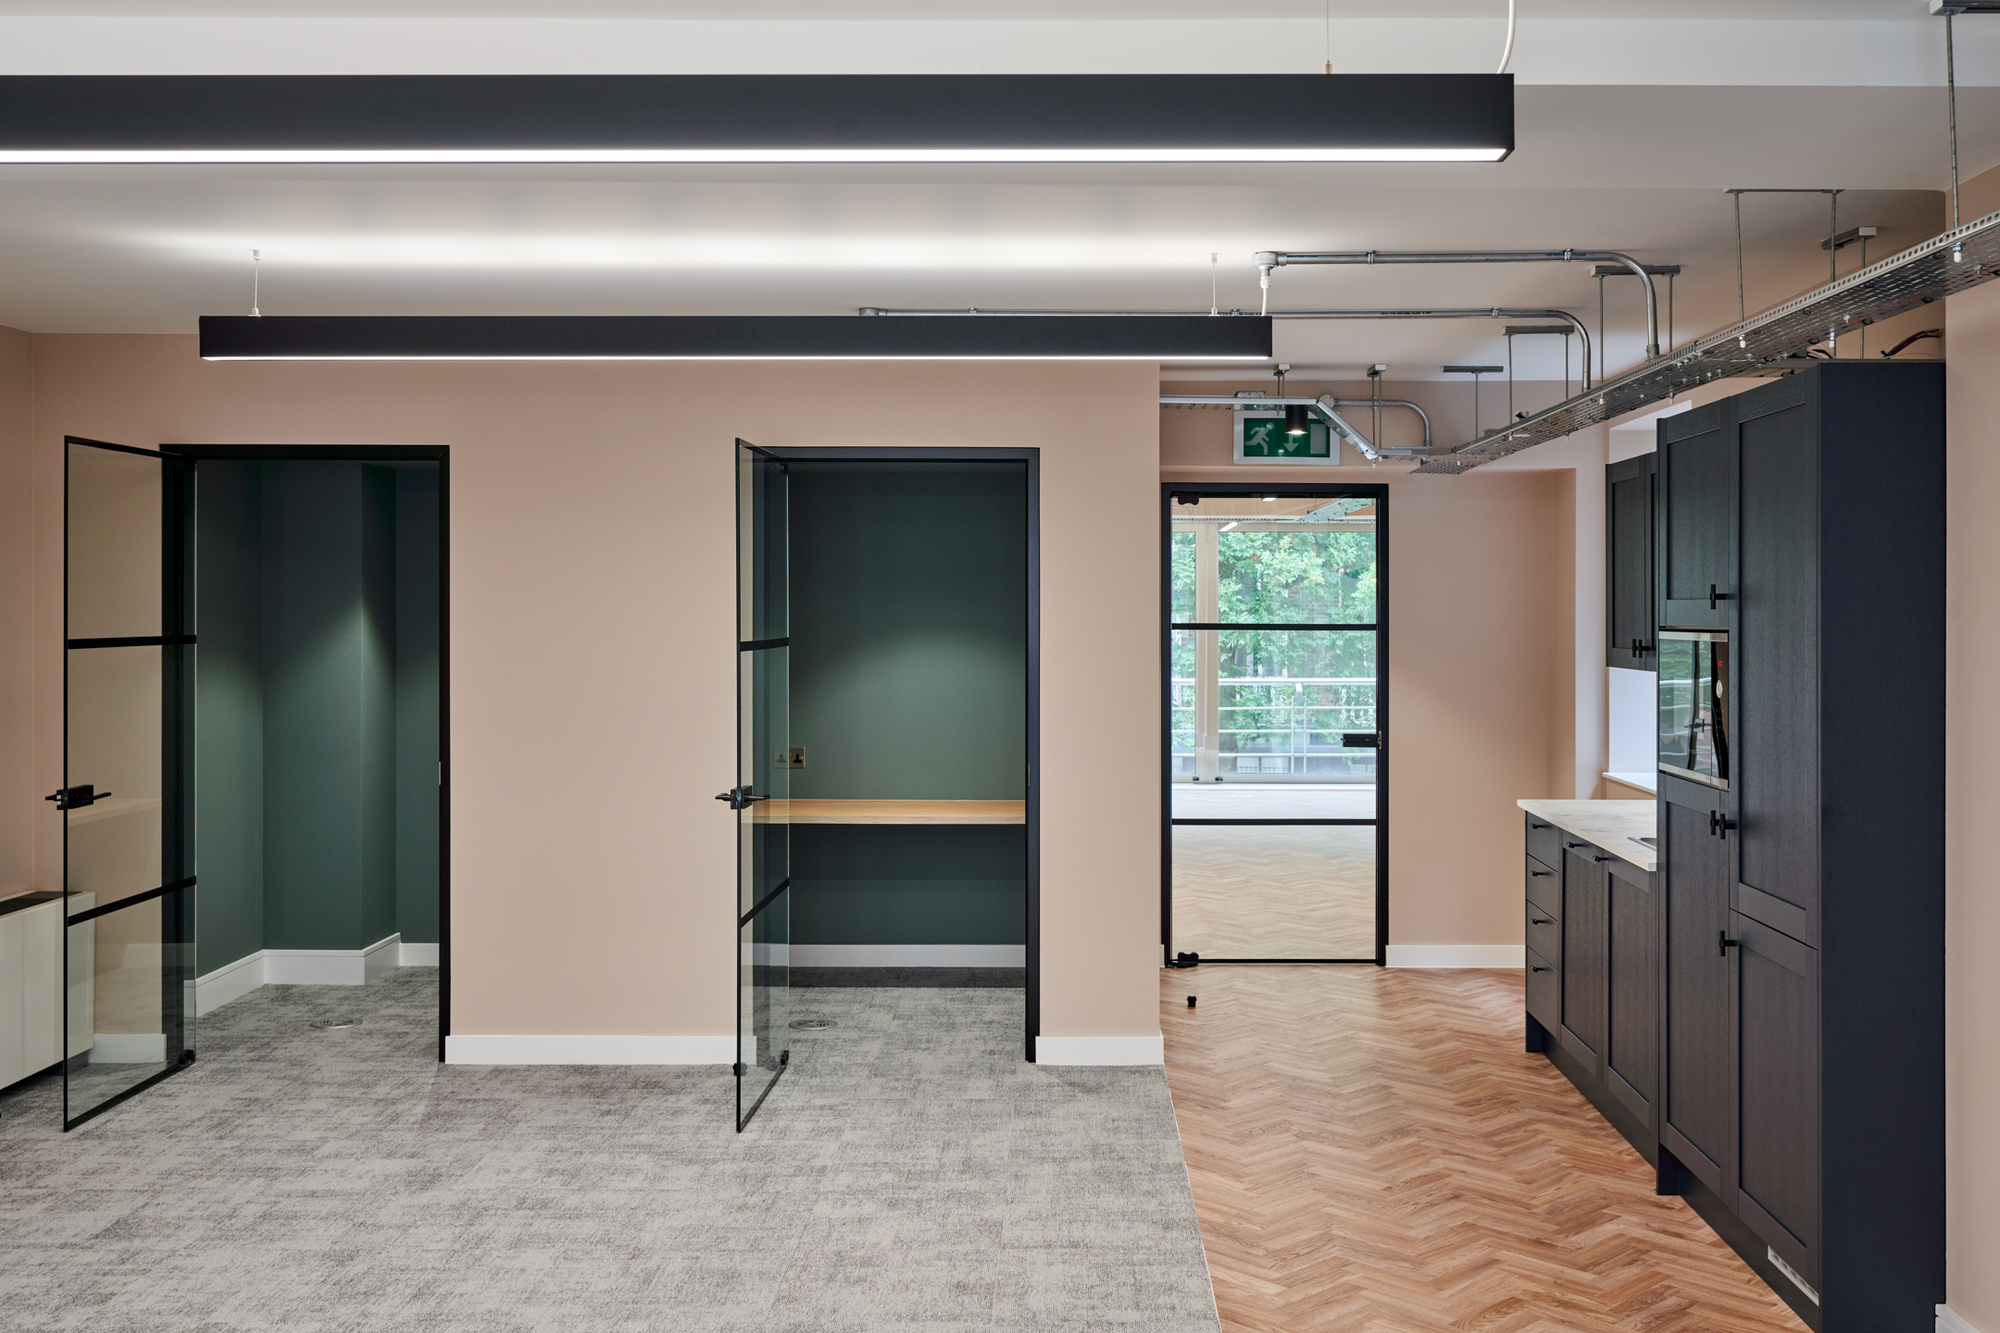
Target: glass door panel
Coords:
[(1274, 728), (129, 892), (761, 797), (1268, 892)]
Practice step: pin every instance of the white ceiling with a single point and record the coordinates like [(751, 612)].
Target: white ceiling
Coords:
[(1636, 160)]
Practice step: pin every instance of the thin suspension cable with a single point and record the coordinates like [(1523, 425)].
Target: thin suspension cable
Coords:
[(256, 271), (1213, 256), (1739, 257), (1951, 107), (1508, 53), (1329, 38)]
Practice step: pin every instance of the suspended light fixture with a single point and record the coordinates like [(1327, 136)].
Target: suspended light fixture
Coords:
[(1168, 338), (1298, 419), (755, 118)]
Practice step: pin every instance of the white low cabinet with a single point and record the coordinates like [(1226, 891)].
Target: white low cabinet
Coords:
[(31, 990)]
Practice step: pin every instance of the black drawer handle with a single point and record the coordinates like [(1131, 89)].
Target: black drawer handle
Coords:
[(1541, 920), (1576, 844), (1533, 824), (1537, 874), (1600, 858), (1541, 969)]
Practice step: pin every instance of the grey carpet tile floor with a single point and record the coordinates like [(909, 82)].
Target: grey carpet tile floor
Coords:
[(909, 1173)]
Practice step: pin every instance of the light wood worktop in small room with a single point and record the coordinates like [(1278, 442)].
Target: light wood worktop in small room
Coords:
[(1616, 826), (822, 811)]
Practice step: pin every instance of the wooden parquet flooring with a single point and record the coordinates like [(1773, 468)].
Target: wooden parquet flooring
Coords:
[(1372, 1152)]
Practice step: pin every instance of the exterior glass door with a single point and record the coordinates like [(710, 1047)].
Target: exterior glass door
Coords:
[(761, 796), (1275, 792), (128, 955)]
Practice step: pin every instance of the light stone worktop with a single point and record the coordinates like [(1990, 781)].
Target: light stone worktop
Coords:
[(1612, 825)]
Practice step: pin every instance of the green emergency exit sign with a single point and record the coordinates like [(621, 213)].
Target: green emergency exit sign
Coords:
[(1261, 438)]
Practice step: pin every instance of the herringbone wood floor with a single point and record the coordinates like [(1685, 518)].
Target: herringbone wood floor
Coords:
[(1372, 1152)]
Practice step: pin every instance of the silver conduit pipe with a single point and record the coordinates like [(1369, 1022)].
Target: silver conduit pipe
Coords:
[(1266, 260), (1484, 312), (1372, 448)]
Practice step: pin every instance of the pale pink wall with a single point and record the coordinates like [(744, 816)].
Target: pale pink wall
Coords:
[(21, 803), (1481, 645), (1972, 791), (592, 622)]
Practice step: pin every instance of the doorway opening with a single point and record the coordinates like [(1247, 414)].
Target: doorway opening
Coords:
[(887, 715), (1275, 790), (319, 757)]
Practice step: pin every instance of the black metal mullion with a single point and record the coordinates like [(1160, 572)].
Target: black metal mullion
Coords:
[(134, 641), (763, 903), (759, 645), (1270, 624), (106, 909)]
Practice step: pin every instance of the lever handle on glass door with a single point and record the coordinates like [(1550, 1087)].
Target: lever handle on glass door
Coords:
[(75, 798)]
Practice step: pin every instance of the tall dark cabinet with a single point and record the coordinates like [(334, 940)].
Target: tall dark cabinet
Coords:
[(1802, 1097), (1629, 520)]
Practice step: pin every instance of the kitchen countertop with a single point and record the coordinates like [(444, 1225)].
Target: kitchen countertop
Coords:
[(1612, 825)]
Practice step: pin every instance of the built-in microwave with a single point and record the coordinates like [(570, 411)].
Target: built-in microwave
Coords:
[(1694, 705)]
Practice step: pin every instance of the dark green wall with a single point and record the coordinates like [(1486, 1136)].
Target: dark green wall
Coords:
[(910, 630), (909, 610), (314, 718), (229, 714), (417, 627)]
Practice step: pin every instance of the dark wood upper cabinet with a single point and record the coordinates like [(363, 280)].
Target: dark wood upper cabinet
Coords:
[(1629, 519), (1697, 529)]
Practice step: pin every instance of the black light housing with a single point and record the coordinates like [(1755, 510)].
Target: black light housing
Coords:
[(719, 118), (735, 337), (1298, 419)]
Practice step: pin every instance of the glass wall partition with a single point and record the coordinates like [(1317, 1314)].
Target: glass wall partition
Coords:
[(1275, 799)]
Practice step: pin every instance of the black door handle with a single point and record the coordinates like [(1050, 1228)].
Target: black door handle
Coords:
[(1537, 874), (1718, 826), (1538, 968), (75, 798), (1723, 944), (1600, 858), (1533, 824), (1574, 845), (1715, 596), (1541, 921), (739, 798)]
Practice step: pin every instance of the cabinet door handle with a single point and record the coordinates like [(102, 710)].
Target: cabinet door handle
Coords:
[(1600, 858), (1714, 596), (1541, 969), (1576, 844), (1723, 944), (1533, 824), (1541, 921), (1719, 825), (1537, 874)]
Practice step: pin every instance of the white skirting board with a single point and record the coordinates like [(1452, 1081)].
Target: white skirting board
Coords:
[(128, 1048), (909, 955), (1948, 1322), (1457, 955), (1100, 1050), (584, 1050), (308, 967)]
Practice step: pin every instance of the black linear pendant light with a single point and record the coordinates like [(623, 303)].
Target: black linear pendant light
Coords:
[(1179, 338), (753, 118)]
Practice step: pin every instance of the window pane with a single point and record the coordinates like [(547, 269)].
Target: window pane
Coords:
[(1182, 554), (1271, 575), (1286, 699)]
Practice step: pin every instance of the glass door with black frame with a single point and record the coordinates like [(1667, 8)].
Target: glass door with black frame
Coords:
[(760, 799), (128, 955), (1273, 718)]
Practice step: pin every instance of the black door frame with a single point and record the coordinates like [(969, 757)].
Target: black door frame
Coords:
[(1379, 494), (384, 453), (1033, 459)]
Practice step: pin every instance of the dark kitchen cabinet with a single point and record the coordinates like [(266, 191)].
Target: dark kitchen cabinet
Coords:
[(1585, 943), (1698, 1125), (1798, 1093), (1629, 514)]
